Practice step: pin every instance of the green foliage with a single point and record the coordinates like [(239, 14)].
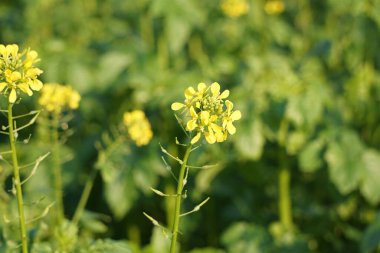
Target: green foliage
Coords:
[(306, 80)]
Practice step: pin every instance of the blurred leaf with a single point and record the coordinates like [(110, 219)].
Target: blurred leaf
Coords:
[(370, 187), (250, 139), (207, 250), (371, 239), (243, 237), (344, 157), (310, 157)]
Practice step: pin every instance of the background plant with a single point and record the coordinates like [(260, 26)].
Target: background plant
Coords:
[(306, 79)]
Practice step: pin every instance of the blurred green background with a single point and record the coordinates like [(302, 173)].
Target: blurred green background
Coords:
[(306, 77)]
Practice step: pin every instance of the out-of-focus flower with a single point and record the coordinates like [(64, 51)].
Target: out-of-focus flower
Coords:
[(57, 98), (273, 7), (17, 71), (234, 8), (209, 113), (138, 126)]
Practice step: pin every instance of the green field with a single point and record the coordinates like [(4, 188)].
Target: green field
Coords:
[(282, 157)]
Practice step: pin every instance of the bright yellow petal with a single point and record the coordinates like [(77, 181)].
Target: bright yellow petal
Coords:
[(191, 125), (25, 88), (201, 87), (35, 84), (189, 92), (12, 96), (215, 89), (205, 116), (230, 128), (210, 137), (2, 86), (196, 138), (15, 76), (193, 113), (224, 94), (236, 115), (229, 105), (177, 106)]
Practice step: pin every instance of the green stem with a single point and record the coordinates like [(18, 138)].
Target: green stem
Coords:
[(178, 200), (285, 206), (17, 182), (84, 198), (57, 171)]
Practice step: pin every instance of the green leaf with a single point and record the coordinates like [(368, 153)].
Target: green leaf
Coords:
[(371, 239), (344, 158), (310, 158), (250, 139), (244, 237), (207, 250), (370, 186)]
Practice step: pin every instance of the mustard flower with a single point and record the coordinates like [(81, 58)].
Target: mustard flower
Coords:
[(209, 113), (138, 126), (17, 72), (57, 98), (273, 7), (234, 8)]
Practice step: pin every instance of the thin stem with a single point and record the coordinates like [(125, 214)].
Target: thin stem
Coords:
[(285, 206), (17, 182), (84, 198), (178, 200), (57, 170)]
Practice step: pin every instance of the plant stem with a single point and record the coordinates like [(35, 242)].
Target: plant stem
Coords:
[(84, 198), (17, 182), (57, 170), (285, 206), (178, 200)]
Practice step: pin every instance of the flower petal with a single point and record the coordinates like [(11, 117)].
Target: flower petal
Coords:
[(215, 89), (35, 84), (177, 106), (205, 116), (24, 87), (193, 113), (196, 138), (231, 128), (210, 137), (224, 94), (191, 125), (236, 115), (201, 87), (12, 96), (229, 105), (189, 92)]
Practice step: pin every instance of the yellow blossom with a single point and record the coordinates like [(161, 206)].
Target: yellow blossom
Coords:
[(273, 7), (208, 113), (17, 72), (234, 8), (57, 98), (138, 126)]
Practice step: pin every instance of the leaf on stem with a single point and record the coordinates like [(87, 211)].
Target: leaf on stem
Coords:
[(196, 208)]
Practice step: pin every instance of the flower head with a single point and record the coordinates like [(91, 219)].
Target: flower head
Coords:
[(57, 98), (273, 7), (138, 126), (17, 72), (234, 8), (208, 113)]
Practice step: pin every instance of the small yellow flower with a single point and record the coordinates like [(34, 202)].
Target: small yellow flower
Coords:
[(57, 98), (17, 72), (234, 8), (138, 126), (273, 7), (209, 113)]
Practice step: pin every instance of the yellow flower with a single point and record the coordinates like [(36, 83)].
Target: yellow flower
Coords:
[(57, 98), (17, 72), (208, 113), (234, 8), (138, 126), (273, 7)]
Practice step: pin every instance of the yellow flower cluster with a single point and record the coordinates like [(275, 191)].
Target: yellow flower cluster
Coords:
[(17, 72), (234, 8), (273, 7), (138, 126), (56, 97), (210, 114)]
